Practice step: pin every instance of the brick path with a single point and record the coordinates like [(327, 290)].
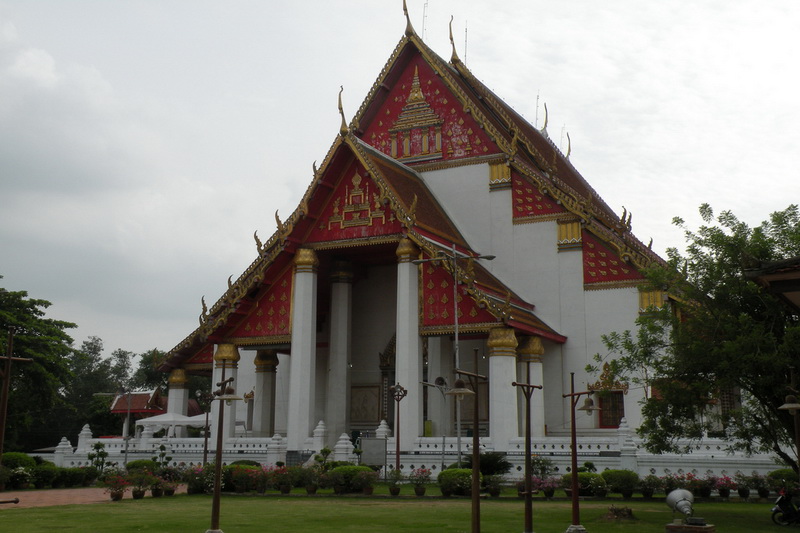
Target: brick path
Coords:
[(50, 497)]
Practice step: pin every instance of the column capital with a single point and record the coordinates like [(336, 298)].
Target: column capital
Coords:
[(502, 341), (306, 260), (342, 271), (406, 251), (531, 350), (177, 378), (266, 360), (226, 353)]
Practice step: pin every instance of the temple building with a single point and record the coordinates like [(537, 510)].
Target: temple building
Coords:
[(440, 231)]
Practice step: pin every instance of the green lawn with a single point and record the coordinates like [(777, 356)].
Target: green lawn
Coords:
[(320, 514)]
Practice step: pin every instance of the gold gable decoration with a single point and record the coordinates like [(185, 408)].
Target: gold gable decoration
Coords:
[(417, 115), (569, 235), (499, 176), (651, 299)]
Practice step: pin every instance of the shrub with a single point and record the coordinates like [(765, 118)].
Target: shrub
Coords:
[(587, 481), (781, 479), (43, 475), (246, 462), (541, 467), (143, 464), (365, 479), (651, 482), (73, 477), (241, 478), (343, 477), (200, 479), (5, 474), (14, 460), (621, 480), (457, 481), (20, 477), (419, 476), (491, 463)]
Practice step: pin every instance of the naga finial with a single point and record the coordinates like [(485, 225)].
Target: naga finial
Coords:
[(230, 283), (314, 166), (624, 215), (544, 127), (409, 27), (650, 244), (454, 56), (259, 246), (343, 128), (569, 146), (278, 221)]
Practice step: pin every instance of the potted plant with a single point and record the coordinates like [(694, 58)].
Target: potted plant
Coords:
[(493, 485), (548, 486), (116, 484), (282, 479), (597, 485), (621, 481), (759, 483), (649, 485), (419, 477), (157, 488), (140, 480), (724, 485), (394, 478), (365, 481)]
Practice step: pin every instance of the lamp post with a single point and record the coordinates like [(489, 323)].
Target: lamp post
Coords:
[(588, 405), (6, 386), (527, 391), (459, 391), (204, 400), (453, 257), (398, 393), (225, 393), (127, 432)]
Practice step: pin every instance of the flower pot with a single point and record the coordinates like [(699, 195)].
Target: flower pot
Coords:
[(169, 491), (419, 491), (763, 493), (394, 490), (116, 495), (548, 493), (627, 494), (285, 489), (494, 493), (724, 493), (647, 494), (311, 489), (367, 491), (157, 492), (744, 493), (137, 494)]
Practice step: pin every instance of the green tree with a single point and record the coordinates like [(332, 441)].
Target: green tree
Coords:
[(35, 385), (722, 334)]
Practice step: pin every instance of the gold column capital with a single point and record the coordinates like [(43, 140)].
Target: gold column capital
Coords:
[(226, 353), (502, 341), (177, 378), (306, 260), (531, 350), (406, 251), (342, 271), (266, 360)]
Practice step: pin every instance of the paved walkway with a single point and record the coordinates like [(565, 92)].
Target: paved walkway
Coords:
[(50, 497)]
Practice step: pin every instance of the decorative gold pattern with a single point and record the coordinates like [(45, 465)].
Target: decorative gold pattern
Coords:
[(651, 299), (306, 260), (357, 209), (605, 383), (531, 349), (178, 378), (417, 115), (502, 342), (266, 360)]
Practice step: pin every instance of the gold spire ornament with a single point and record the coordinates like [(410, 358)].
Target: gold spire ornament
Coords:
[(259, 245), (544, 128)]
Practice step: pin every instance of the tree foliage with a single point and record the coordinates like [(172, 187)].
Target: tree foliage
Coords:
[(722, 333), (35, 385)]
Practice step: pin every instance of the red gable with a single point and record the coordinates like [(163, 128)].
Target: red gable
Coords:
[(270, 315), (421, 120), (437, 301), (529, 201), (354, 210), (602, 265)]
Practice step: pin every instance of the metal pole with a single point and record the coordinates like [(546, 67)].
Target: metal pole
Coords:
[(6, 388), (527, 391), (576, 513), (215, 503), (128, 426), (456, 350), (476, 455)]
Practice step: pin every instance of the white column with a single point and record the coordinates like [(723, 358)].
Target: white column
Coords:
[(502, 395), (302, 382), (408, 350), (266, 362), (439, 365), (530, 353), (337, 401), (177, 399), (226, 361)]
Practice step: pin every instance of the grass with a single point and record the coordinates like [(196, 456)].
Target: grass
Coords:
[(298, 513)]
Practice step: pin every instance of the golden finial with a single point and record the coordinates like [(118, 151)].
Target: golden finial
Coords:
[(343, 128), (569, 146), (314, 166), (205, 310), (259, 246), (412, 211), (454, 56), (650, 244), (624, 215), (409, 27), (230, 284), (544, 128), (278, 221)]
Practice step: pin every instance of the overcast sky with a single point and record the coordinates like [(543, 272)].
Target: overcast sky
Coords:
[(142, 142)]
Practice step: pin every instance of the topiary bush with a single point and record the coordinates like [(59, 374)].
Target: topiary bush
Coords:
[(14, 460), (491, 463), (587, 482), (621, 481), (43, 475), (782, 479), (343, 478), (455, 481)]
